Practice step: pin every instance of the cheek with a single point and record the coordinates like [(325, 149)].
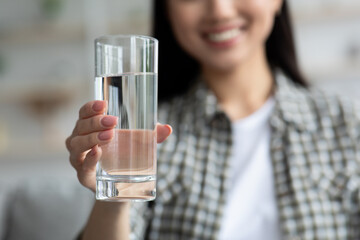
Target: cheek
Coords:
[(185, 32), (266, 27), (263, 18), (182, 29)]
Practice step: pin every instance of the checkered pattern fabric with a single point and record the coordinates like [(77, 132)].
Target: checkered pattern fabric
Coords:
[(315, 150)]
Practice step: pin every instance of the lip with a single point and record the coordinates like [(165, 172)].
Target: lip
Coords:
[(226, 43)]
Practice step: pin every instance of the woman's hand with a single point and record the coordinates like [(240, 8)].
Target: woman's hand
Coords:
[(91, 130)]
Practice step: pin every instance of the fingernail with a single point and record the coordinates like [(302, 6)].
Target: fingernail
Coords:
[(169, 128), (98, 106), (108, 121), (106, 135)]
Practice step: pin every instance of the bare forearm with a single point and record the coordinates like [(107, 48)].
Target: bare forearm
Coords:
[(108, 220)]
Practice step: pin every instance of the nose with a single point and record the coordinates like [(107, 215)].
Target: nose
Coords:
[(220, 10)]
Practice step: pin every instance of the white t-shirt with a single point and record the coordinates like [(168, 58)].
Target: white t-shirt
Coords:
[(251, 212)]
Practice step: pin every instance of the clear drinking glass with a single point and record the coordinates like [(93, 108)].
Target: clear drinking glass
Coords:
[(126, 77)]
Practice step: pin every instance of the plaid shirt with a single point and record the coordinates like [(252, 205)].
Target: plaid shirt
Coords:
[(315, 151)]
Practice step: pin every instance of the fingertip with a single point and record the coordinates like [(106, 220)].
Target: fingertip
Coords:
[(109, 121), (98, 105), (163, 132), (92, 108), (169, 128), (106, 135)]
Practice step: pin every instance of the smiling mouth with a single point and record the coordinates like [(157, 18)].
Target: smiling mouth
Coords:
[(224, 35)]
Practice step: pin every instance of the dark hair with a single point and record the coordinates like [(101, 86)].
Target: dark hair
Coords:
[(178, 70)]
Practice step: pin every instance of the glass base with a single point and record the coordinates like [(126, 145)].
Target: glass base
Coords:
[(120, 191)]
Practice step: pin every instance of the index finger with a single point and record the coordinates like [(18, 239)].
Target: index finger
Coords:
[(92, 108)]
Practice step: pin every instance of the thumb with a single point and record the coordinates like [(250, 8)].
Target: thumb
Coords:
[(163, 131)]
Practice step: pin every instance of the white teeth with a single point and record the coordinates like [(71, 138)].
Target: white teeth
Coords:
[(224, 36)]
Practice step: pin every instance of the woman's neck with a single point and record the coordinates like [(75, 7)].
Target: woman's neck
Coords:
[(243, 89)]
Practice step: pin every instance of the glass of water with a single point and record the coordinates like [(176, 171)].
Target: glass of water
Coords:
[(126, 78)]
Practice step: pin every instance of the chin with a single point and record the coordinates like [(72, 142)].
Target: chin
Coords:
[(225, 65)]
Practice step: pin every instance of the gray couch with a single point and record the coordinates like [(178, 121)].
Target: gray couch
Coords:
[(39, 208)]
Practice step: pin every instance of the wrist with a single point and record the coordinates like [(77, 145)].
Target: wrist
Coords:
[(112, 207)]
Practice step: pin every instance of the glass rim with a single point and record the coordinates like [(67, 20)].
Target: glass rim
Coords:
[(102, 39)]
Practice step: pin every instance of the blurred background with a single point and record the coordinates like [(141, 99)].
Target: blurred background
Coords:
[(47, 68)]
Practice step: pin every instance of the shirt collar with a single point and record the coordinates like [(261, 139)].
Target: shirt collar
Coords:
[(293, 105), (204, 101)]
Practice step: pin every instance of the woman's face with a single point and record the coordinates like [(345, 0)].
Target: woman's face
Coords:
[(221, 34)]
